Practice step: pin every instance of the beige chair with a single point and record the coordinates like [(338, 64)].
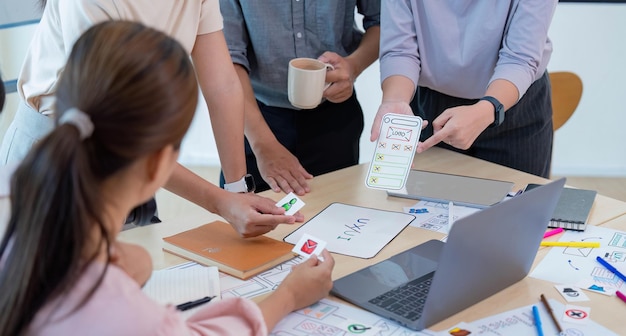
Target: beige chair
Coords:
[(567, 88)]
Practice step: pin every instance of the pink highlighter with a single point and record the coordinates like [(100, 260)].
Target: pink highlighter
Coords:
[(552, 232)]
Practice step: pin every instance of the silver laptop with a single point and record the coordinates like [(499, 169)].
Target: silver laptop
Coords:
[(462, 190), (485, 252)]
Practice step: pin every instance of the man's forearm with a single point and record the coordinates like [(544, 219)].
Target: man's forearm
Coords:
[(367, 52), (256, 129)]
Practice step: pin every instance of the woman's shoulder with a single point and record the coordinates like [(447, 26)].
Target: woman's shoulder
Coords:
[(116, 307)]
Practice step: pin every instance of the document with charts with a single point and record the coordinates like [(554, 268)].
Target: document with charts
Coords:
[(433, 216), (262, 283), (578, 266), (328, 317), (520, 322)]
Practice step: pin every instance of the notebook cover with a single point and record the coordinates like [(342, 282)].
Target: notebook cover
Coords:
[(218, 244), (573, 208)]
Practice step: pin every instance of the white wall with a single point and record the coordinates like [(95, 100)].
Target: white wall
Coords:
[(588, 39)]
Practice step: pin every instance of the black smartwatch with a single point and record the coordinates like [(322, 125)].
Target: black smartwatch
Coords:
[(245, 185), (498, 110)]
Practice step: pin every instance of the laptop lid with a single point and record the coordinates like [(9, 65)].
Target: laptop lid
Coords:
[(462, 190), (485, 253)]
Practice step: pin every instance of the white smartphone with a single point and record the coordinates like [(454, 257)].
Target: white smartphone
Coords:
[(394, 151)]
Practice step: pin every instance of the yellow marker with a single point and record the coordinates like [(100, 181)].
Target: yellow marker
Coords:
[(571, 244)]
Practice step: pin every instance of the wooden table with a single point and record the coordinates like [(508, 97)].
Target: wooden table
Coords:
[(347, 186)]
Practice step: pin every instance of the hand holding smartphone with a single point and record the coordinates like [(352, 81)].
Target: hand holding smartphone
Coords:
[(394, 151)]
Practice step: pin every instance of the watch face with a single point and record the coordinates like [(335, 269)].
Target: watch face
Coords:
[(250, 185)]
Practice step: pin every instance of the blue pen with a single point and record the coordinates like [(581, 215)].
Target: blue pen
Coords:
[(537, 321), (611, 268)]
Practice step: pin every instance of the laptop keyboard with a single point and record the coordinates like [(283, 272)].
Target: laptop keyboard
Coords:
[(406, 300)]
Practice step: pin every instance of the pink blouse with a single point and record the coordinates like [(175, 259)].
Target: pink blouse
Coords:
[(119, 307)]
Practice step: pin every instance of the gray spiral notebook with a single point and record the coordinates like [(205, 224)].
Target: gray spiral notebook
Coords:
[(573, 209)]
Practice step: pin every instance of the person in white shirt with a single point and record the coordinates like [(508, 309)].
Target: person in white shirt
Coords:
[(197, 25)]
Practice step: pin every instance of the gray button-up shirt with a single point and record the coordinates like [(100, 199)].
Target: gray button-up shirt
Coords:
[(264, 35)]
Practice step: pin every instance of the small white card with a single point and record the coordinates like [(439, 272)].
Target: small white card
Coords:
[(357, 328), (461, 329), (309, 245), (291, 203), (593, 286), (576, 314), (571, 293)]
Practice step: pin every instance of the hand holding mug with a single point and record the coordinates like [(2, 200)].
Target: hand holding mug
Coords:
[(306, 82)]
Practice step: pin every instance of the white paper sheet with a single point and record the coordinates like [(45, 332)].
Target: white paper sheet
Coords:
[(183, 283), (353, 230), (433, 216), (520, 322), (578, 266), (333, 318), (262, 283)]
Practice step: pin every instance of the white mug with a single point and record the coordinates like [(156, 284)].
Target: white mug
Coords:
[(306, 82)]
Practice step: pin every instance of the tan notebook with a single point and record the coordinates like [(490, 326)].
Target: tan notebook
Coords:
[(218, 244)]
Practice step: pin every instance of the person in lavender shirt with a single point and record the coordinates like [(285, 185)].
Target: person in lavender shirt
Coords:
[(477, 72)]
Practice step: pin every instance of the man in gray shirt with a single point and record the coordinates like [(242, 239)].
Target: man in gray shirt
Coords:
[(467, 63), (286, 146)]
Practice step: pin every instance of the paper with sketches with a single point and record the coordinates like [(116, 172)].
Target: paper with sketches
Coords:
[(328, 317), (520, 322), (262, 283), (434, 215), (578, 266)]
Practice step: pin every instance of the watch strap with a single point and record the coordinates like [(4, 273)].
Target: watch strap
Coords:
[(498, 110), (244, 185)]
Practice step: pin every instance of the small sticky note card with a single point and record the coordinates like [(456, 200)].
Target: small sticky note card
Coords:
[(576, 314), (571, 293), (461, 329), (357, 328), (291, 203), (597, 287), (309, 245)]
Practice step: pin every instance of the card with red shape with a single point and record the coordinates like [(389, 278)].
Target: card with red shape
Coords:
[(309, 245)]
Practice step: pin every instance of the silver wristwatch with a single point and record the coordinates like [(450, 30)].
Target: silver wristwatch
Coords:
[(244, 185)]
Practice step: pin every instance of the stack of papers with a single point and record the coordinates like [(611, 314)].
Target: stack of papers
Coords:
[(183, 283)]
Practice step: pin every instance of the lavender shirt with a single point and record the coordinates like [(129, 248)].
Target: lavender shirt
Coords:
[(459, 47)]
